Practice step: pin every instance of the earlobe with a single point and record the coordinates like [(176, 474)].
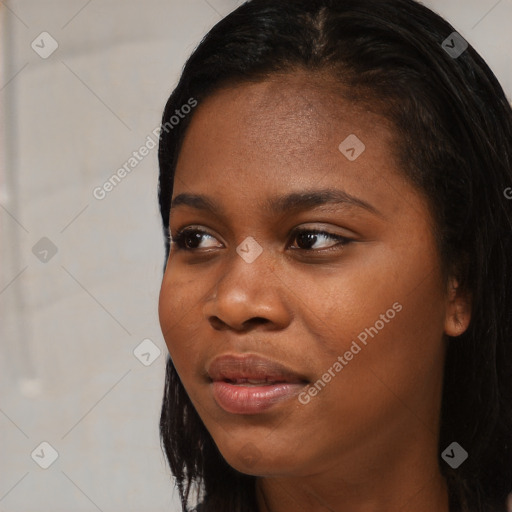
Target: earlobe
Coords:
[(458, 310)]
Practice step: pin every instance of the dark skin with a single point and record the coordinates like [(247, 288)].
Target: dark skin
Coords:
[(368, 441)]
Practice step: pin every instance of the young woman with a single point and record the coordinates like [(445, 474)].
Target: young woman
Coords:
[(335, 190)]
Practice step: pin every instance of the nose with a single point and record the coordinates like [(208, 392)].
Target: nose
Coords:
[(248, 295)]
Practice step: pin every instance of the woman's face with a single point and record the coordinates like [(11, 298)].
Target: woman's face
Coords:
[(359, 322)]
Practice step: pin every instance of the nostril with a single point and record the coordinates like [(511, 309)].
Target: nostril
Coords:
[(258, 320), (217, 323)]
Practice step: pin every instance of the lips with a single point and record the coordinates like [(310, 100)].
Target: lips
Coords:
[(251, 370), (251, 384)]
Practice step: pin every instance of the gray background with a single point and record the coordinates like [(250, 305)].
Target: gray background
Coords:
[(70, 321)]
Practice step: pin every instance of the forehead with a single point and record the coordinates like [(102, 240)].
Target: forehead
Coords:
[(260, 138), (291, 111)]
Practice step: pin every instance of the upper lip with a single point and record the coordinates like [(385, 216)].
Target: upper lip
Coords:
[(251, 366)]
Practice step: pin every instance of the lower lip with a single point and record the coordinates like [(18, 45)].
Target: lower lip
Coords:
[(240, 399)]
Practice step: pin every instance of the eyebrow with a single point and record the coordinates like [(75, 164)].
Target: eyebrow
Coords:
[(295, 201)]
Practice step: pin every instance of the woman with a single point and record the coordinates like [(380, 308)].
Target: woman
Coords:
[(337, 297)]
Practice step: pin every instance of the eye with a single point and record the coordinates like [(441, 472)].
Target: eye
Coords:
[(309, 237), (189, 239)]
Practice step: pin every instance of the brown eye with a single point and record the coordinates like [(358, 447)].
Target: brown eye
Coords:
[(189, 239), (306, 239)]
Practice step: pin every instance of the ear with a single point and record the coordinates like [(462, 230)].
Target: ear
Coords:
[(458, 309)]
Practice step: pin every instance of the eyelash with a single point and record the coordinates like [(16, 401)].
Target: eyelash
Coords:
[(179, 238)]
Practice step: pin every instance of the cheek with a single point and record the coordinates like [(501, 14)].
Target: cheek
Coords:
[(385, 293), (177, 311), (385, 320), (389, 338)]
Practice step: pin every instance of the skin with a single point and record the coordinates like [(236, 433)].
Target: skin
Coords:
[(368, 441)]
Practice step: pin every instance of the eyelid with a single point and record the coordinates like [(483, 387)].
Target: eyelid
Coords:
[(190, 228)]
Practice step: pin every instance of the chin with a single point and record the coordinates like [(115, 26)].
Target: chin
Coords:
[(251, 460)]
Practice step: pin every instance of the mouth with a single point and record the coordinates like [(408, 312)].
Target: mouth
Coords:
[(251, 384), (254, 382), (251, 369)]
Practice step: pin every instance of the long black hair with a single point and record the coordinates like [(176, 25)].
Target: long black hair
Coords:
[(453, 128)]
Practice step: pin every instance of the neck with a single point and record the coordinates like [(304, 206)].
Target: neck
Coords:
[(433, 496), (403, 480)]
